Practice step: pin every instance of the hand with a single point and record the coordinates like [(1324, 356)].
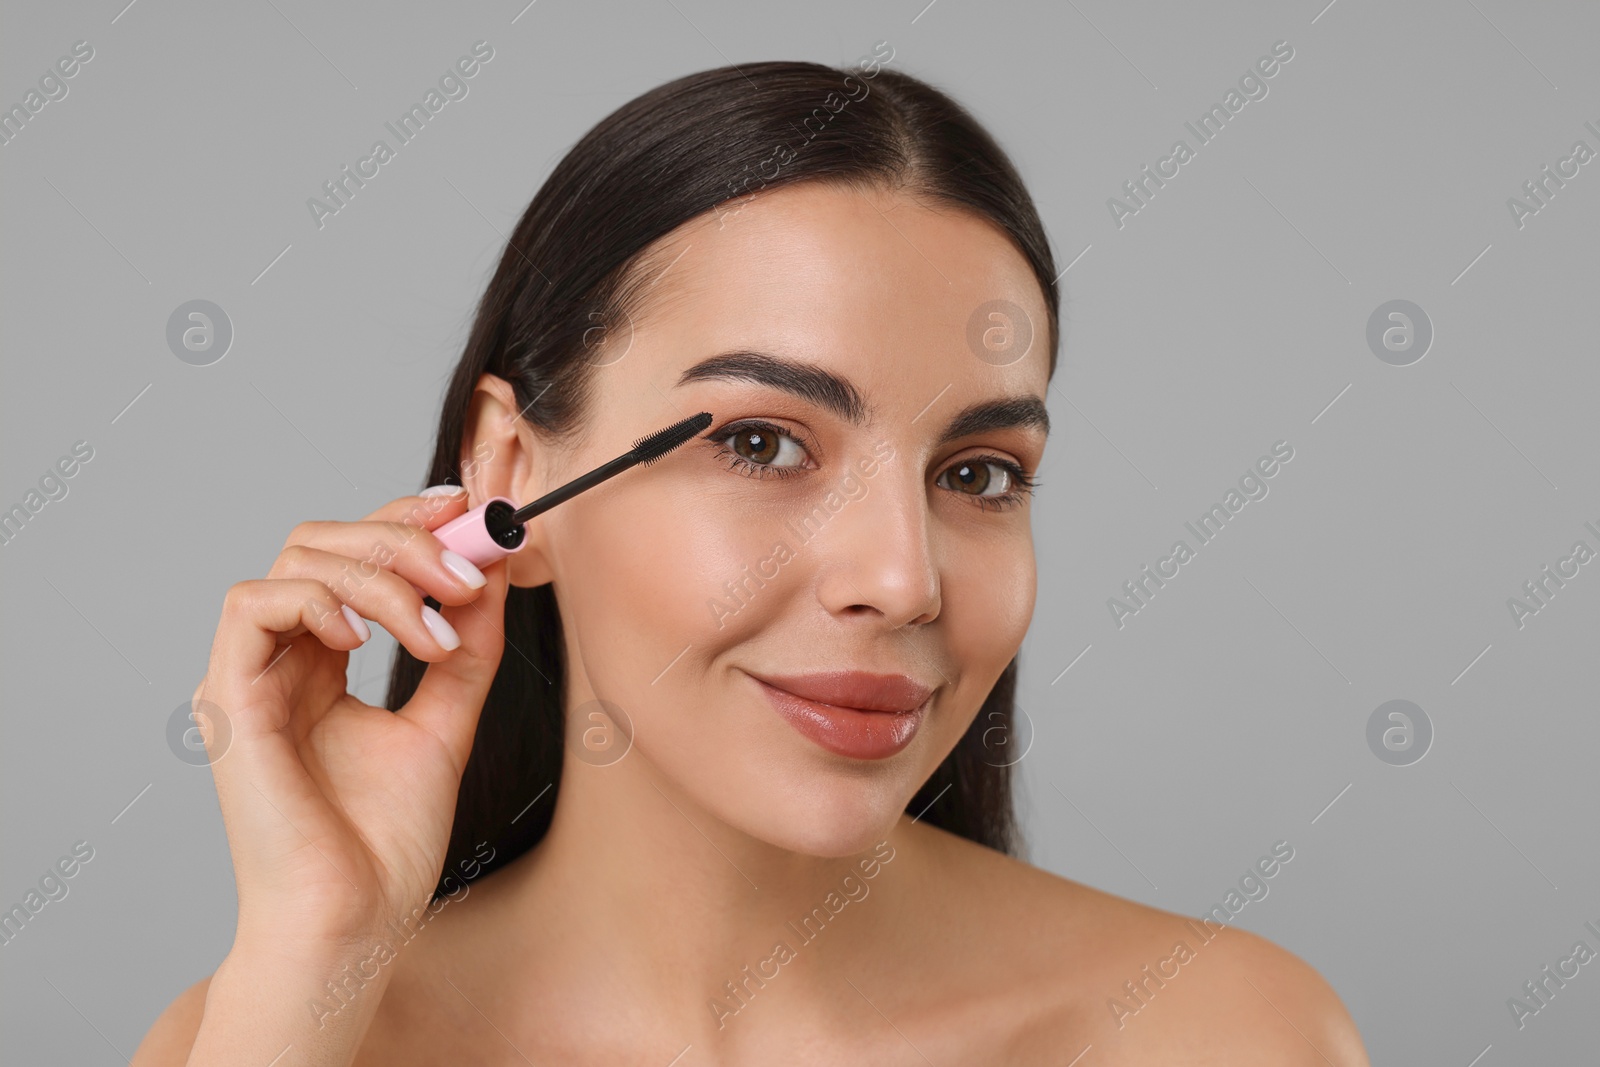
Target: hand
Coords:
[(338, 813)]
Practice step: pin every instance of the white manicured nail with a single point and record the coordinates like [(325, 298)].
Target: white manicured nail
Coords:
[(462, 568), (442, 490), (357, 623), (441, 630)]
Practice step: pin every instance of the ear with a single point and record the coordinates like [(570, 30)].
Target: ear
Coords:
[(501, 456)]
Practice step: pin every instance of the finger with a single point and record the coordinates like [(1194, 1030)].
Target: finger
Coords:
[(370, 548), (450, 697), (257, 616), (385, 598), (428, 512), (267, 797)]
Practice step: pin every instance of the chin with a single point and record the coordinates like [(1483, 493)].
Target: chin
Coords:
[(820, 812)]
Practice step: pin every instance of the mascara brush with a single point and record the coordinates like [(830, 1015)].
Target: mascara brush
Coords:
[(495, 529)]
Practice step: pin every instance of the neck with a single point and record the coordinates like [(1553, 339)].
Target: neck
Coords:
[(637, 892)]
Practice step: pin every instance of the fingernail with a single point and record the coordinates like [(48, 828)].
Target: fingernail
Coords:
[(462, 568), (441, 630), (443, 490), (357, 623)]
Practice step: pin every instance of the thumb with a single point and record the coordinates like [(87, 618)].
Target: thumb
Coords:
[(450, 696)]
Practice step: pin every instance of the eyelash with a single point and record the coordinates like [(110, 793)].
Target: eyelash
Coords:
[(1022, 483)]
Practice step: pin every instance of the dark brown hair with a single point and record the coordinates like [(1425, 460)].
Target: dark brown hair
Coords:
[(571, 272)]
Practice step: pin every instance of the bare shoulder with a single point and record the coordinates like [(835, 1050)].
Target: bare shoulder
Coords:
[(1136, 983), (1237, 998), (172, 1035)]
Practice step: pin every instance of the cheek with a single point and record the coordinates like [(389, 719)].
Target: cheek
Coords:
[(662, 576), (988, 606)]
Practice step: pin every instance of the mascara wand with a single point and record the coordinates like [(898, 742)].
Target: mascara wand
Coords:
[(495, 529)]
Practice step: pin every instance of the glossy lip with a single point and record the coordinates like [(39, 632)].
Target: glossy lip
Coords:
[(857, 690), (850, 713)]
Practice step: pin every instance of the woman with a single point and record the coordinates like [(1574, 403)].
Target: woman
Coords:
[(614, 798)]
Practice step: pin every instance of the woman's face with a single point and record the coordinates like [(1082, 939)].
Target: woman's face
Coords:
[(831, 525)]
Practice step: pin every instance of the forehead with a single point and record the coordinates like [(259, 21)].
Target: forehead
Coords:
[(878, 285)]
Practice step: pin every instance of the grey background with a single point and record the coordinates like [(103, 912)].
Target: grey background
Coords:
[(1228, 314)]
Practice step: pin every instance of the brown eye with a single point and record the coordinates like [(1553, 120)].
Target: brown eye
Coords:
[(973, 478), (765, 446), (758, 446)]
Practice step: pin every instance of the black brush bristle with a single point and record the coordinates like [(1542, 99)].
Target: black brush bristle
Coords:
[(651, 448)]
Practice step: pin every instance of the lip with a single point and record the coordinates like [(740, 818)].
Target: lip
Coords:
[(850, 713)]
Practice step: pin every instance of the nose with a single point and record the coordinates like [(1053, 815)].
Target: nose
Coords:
[(878, 554)]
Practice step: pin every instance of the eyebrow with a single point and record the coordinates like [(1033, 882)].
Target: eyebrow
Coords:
[(829, 391)]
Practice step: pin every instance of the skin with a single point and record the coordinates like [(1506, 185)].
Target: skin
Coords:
[(668, 871)]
